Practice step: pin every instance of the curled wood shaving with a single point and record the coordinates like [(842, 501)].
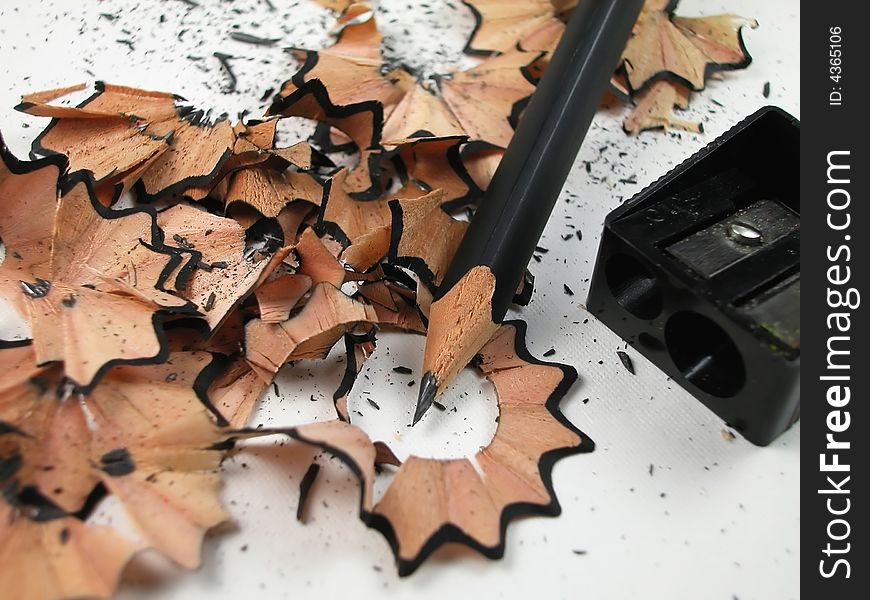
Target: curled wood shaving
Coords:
[(292, 218), (431, 164), (98, 135), (405, 318), (118, 130), (503, 23), (487, 98), (188, 335), (254, 147), (348, 78), (270, 190), (234, 393), (194, 156), (481, 161), (300, 154), (357, 33), (367, 180), (327, 316), (103, 301), (368, 249), (278, 297), (342, 439), (654, 109), (72, 560), (260, 134), (358, 348), (44, 433), (416, 223), (28, 199), (338, 437), (223, 275), (317, 262), (420, 114), (688, 49), (483, 102), (394, 305), (543, 39), (360, 120), (345, 81), (144, 433), (324, 319), (468, 501), (158, 462), (683, 52), (351, 219), (235, 389), (351, 67)]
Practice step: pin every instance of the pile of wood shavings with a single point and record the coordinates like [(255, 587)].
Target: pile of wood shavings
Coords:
[(156, 328)]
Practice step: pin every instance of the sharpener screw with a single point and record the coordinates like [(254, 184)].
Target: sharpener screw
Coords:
[(744, 233)]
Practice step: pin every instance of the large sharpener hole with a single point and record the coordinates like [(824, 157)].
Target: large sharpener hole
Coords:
[(705, 354)]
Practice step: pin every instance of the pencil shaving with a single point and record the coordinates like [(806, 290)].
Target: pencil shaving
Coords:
[(467, 504), (686, 49), (119, 129), (501, 25), (654, 109), (415, 223), (157, 464)]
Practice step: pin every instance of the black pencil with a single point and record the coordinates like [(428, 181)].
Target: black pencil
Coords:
[(489, 264)]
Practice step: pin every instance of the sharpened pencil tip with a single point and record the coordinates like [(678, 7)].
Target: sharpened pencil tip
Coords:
[(428, 389)]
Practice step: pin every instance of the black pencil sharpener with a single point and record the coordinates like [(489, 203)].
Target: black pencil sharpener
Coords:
[(700, 272)]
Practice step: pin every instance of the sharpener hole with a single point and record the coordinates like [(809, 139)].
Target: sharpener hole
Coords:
[(633, 286), (705, 354)]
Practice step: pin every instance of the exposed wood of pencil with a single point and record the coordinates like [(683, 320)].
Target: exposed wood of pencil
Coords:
[(460, 323)]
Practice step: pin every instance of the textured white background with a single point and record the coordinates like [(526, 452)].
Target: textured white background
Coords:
[(715, 518)]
